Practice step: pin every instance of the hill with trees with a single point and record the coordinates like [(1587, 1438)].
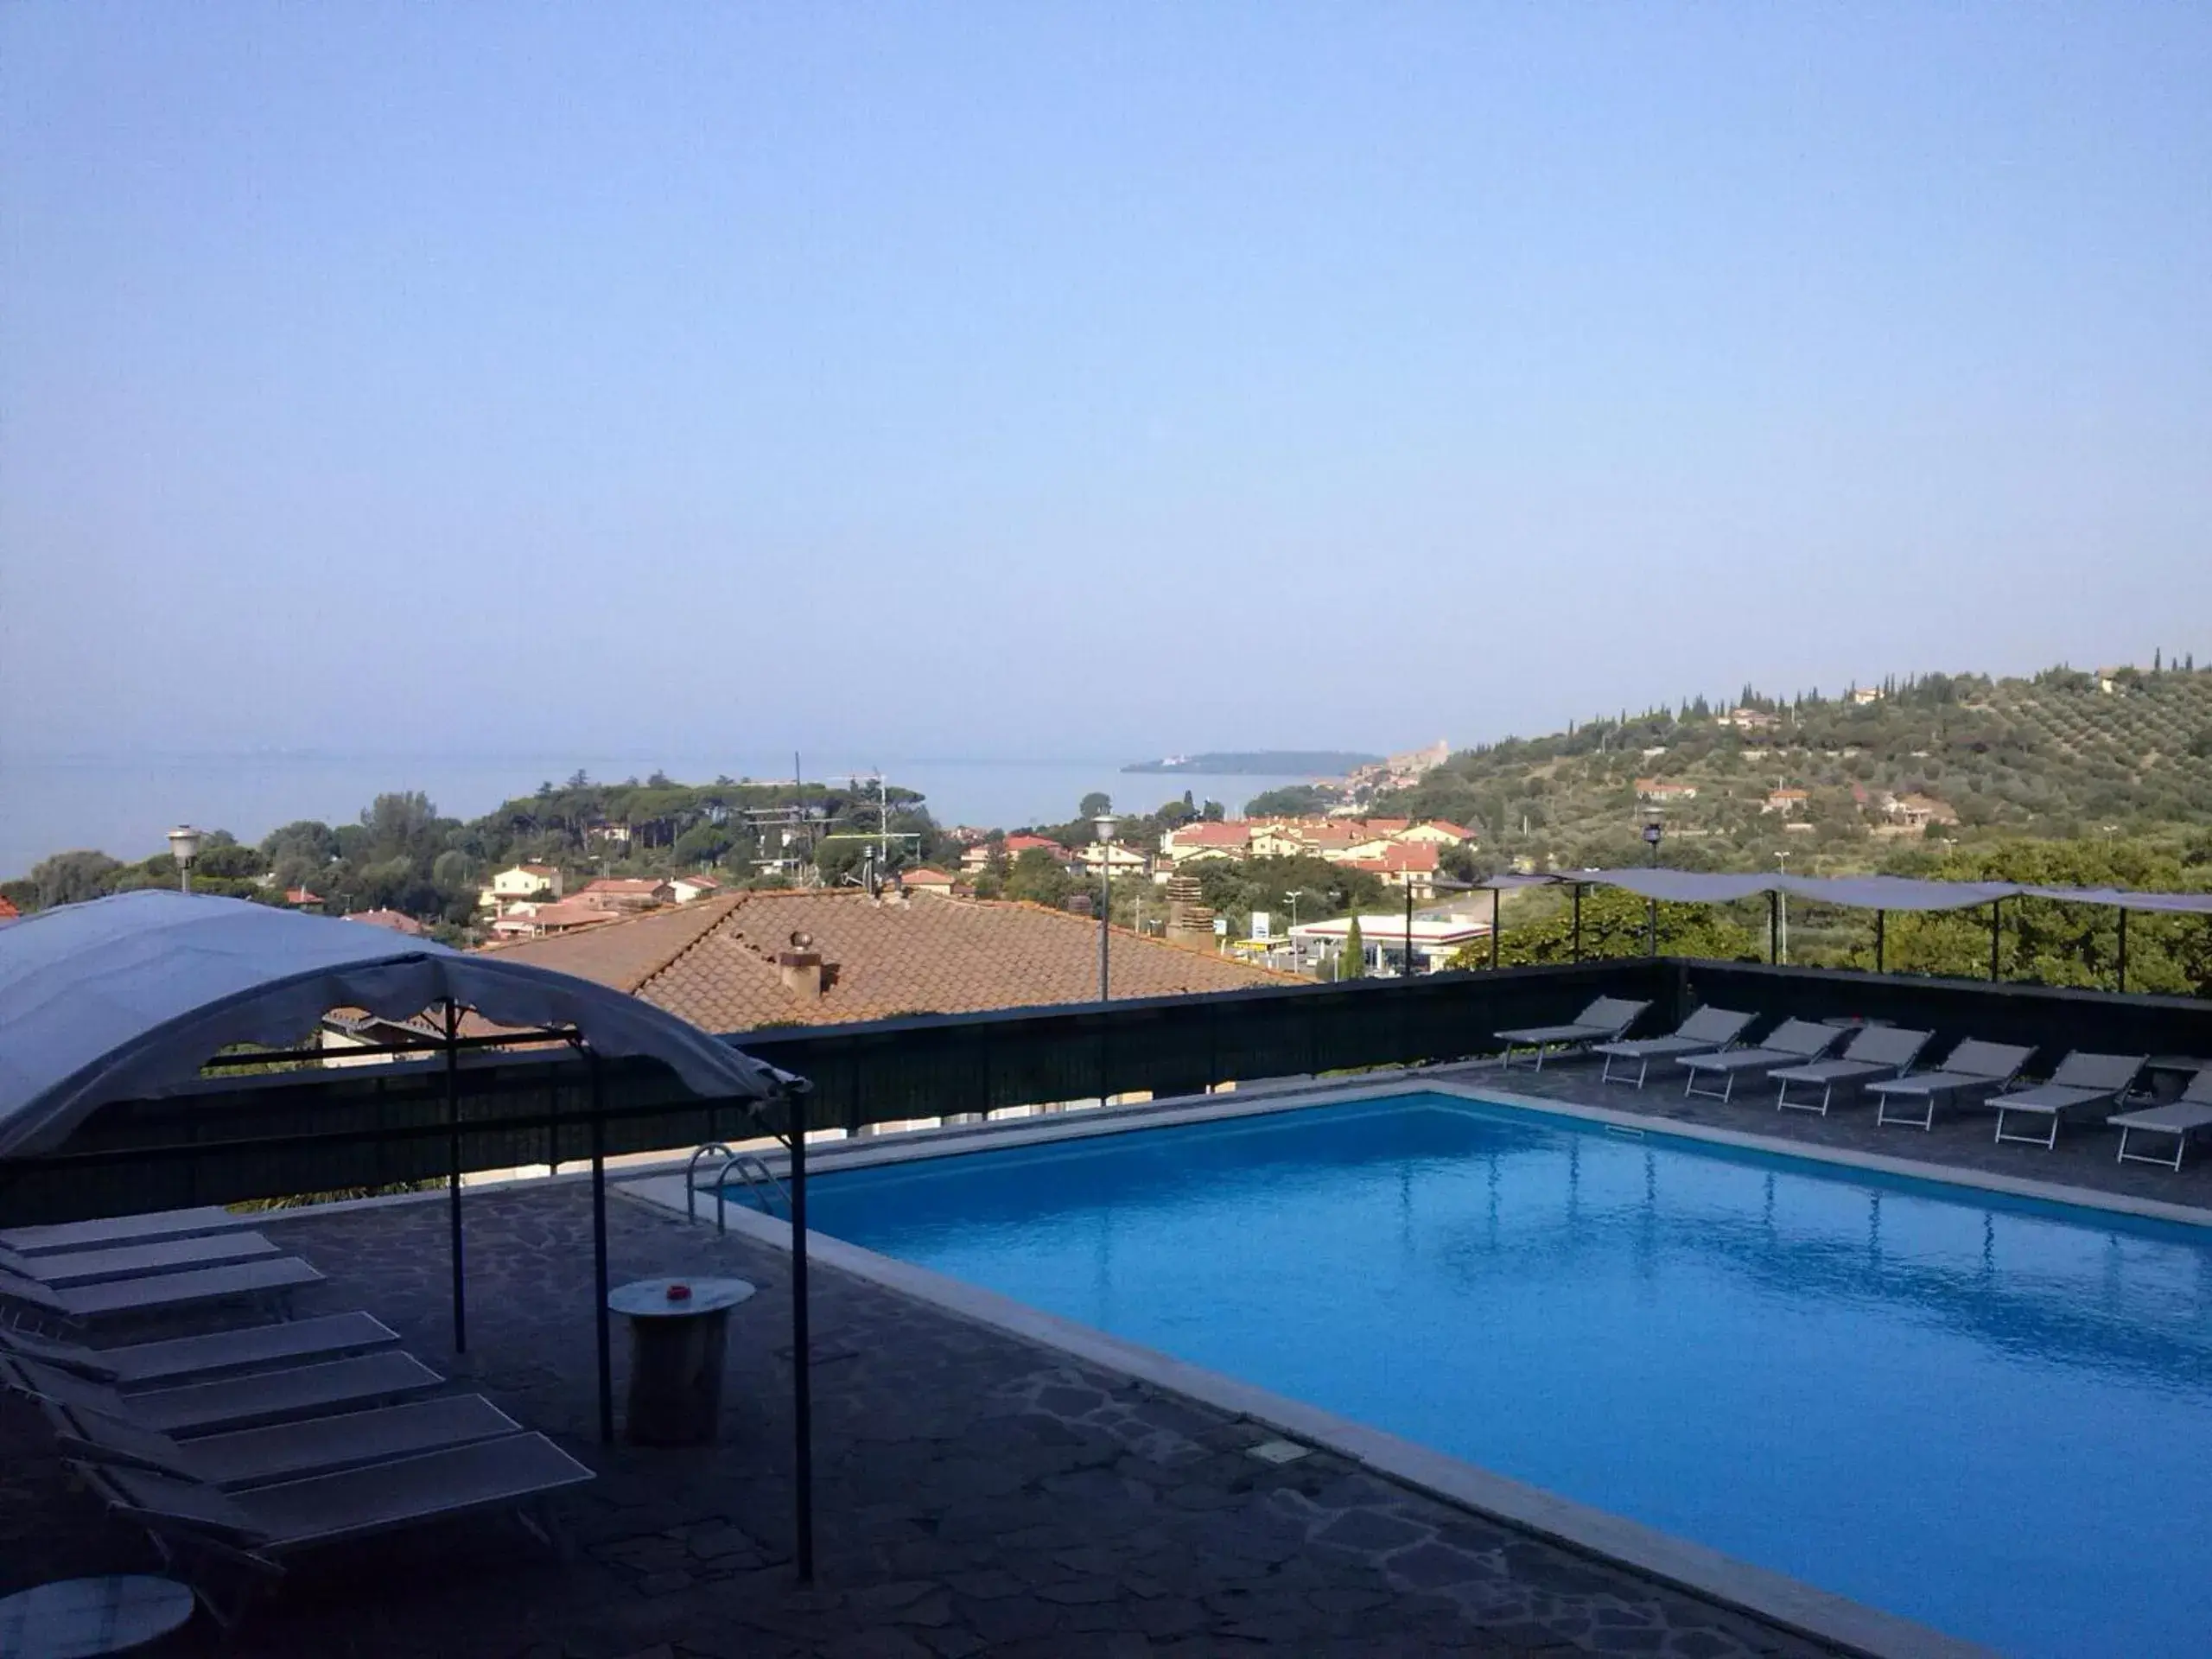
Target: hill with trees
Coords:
[(402, 855), (2064, 754)]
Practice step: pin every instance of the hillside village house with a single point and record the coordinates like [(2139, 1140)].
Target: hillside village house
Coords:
[(1366, 843), (1231, 839), (533, 921), (522, 884), (928, 878), (1784, 801), (688, 888), (1441, 832), (1919, 811), (1114, 858), (1654, 789), (620, 893), (978, 857)]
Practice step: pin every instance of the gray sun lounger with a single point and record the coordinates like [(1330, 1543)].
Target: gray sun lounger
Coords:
[(2082, 1081), (200, 1527), (314, 1446), (218, 1353), (1604, 1020), (2179, 1118), (251, 1400), (269, 1278), (1794, 1042), (65, 1269), (1706, 1031), (1973, 1068), (1876, 1051), (120, 1229)]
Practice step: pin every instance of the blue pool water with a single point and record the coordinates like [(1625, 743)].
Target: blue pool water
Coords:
[(1990, 1416)]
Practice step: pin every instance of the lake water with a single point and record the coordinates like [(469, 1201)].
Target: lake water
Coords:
[(123, 805)]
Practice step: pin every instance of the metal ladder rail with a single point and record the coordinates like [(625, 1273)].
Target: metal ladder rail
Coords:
[(760, 1180), (691, 1174)]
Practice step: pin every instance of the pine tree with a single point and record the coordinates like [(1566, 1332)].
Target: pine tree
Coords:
[(1353, 963)]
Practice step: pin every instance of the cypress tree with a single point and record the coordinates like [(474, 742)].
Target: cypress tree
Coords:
[(1352, 964)]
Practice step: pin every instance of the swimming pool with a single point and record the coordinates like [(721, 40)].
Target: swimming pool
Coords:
[(1988, 1415)]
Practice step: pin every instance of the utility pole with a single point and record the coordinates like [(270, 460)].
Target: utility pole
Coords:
[(1782, 912)]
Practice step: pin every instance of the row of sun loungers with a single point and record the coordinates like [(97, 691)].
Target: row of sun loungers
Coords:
[(1876, 1061), (238, 1449)]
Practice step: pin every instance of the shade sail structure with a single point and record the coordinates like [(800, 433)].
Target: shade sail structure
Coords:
[(130, 996), (1872, 892)]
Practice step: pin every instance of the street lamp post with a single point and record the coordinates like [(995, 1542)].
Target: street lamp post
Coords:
[(184, 845), (1103, 823), (1652, 831), (1291, 898)]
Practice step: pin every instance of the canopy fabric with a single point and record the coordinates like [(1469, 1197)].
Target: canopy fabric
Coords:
[(1872, 892), (130, 996)]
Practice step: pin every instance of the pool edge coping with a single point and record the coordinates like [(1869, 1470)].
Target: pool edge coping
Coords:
[(872, 1151), (1773, 1598)]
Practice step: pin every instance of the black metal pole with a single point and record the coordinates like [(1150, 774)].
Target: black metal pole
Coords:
[(453, 1180), (1493, 893), (1773, 929), (1409, 925), (1881, 919), (1996, 923), (1578, 921), (1651, 918), (2123, 948), (599, 1250), (802, 1346), (1105, 910)]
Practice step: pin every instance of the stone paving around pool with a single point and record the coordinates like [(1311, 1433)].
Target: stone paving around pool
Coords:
[(977, 1495)]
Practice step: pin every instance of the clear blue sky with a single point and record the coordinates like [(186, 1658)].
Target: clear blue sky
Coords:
[(1013, 380)]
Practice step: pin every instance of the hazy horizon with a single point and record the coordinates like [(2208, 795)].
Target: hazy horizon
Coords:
[(1080, 380)]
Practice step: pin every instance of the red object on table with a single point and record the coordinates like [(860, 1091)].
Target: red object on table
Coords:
[(679, 1292)]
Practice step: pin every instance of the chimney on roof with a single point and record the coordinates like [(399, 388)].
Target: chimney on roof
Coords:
[(801, 971)]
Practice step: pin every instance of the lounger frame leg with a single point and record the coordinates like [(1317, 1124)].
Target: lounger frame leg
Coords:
[(2049, 1142), (2181, 1148)]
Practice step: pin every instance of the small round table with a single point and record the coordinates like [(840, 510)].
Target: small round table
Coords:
[(677, 1344), (76, 1618)]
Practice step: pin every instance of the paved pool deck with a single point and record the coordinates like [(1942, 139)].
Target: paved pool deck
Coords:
[(1962, 1141), (978, 1494)]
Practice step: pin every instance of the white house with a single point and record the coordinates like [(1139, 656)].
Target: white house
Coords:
[(522, 884), (1114, 858)]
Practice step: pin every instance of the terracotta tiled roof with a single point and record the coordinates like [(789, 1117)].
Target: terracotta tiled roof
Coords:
[(398, 921), (8, 911), (1231, 833), (623, 887), (623, 954), (925, 877), (1406, 856), (713, 962)]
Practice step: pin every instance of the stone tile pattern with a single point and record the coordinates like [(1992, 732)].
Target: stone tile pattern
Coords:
[(977, 1495)]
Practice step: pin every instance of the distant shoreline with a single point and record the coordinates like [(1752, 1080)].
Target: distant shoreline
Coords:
[(1263, 763)]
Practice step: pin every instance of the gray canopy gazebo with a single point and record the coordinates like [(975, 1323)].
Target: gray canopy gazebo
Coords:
[(131, 996)]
